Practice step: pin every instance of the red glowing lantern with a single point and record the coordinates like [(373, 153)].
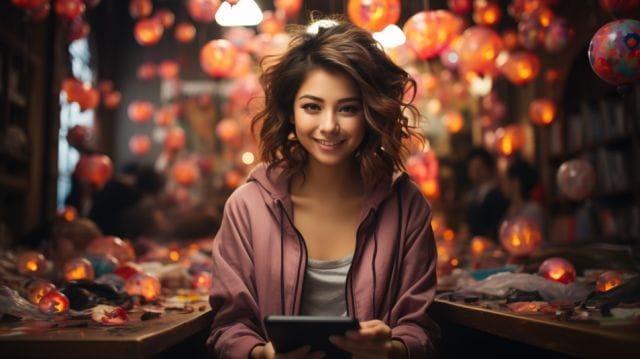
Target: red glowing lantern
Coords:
[(217, 58), (127, 270), (530, 33), (453, 120), (557, 269), (272, 23), (551, 75), (520, 236), (542, 111), (184, 32), (147, 71), (77, 269), (166, 17), (37, 289), (289, 7), (90, 98), (557, 35), (576, 179), (228, 130), (140, 111), (28, 4), (31, 263), (79, 136), (73, 89), (139, 144), (373, 15), (140, 8), (165, 116), (510, 140), (487, 14), (112, 100), (608, 280), (68, 213), (148, 31), (175, 139), (430, 32), (54, 302), (94, 168), (521, 67), (203, 10), (479, 246), (430, 188), (479, 48), (202, 281), (614, 51), (510, 39), (459, 7), (185, 172), (70, 9), (144, 285), (168, 69), (121, 249)]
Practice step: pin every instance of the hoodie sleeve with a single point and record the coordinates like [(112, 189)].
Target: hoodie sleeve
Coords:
[(417, 280), (236, 319)]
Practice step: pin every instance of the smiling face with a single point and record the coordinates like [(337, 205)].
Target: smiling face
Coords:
[(328, 117)]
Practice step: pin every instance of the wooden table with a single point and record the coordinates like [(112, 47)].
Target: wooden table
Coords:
[(540, 331), (136, 339)]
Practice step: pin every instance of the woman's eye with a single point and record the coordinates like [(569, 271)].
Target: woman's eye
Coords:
[(311, 107), (350, 109)]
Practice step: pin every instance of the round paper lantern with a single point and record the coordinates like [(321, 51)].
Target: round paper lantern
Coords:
[(144, 285), (175, 139), (79, 136), (165, 116), (557, 35), (126, 270), (37, 289), (510, 39), (576, 179), (271, 23), (139, 144), (31, 263), (453, 120), (521, 67), (185, 172), (430, 32), (430, 188), (94, 168), (112, 100), (140, 111), (77, 269), (614, 51), (54, 302), (479, 246), (166, 17), (184, 32), (73, 89), (479, 48), (203, 10), (140, 8), (520, 236), (510, 140), (168, 69), (373, 15), (530, 33), (608, 280), (90, 99), (202, 281), (289, 7), (121, 249), (148, 31), (488, 14), (228, 130), (422, 166), (619, 7), (217, 58), (70, 9), (557, 269), (459, 7), (542, 111), (147, 71)]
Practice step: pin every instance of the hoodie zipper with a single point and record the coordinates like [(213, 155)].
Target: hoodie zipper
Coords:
[(303, 253), (348, 290)]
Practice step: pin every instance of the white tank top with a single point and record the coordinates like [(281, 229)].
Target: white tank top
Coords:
[(324, 284)]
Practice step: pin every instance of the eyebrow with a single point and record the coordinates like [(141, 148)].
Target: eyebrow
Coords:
[(318, 99)]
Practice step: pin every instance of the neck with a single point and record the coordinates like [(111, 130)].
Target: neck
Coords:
[(342, 181)]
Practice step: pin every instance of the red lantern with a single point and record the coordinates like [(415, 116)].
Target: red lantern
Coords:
[(608, 280), (37, 289), (140, 111), (165, 116), (70, 9), (139, 145), (140, 8), (31, 263), (510, 140), (121, 249), (144, 285), (185, 172), (78, 136), (54, 302), (94, 168), (166, 17), (522, 9), (271, 23), (90, 99), (542, 111), (488, 14), (520, 236), (373, 15), (521, 68), (73, 89), (148, 31), (126, 270), (576, 179), (147, 71), (168, 69), (289, 7), (184, 32), (77, 269), (217, 58), (453, 120), (202, 281), (430, 32), (112, 100), (203, 10), (530, 33), (175, 139), (479, 246), (228, 130), (479, 48), (510, 39), (459, 7), (557, 269)]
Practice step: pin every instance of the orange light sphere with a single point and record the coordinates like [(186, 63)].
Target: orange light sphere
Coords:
[(608, 280), (202, 281), (185, 172), (79, 136), (203, 10), (139, 144), (373, 15), (453, 120), (289, 7), (430, 188), (168, 69), (147, 71), (121, 249), (31, 263), (184, 32), (479, 246), (479, 48), (551, 75), (510, 140), (521, 67), (217, 58), (37, 289), (227, 130), (489, 14), (165, 116), (542, 111), (175, 139), (557, 269), (68, 213), (54, 302), (77, 269), (510, 39), (140, 111), (430, 32), (126, 270), (112, 100), (144, 285), (90, 99), (70, 9), (94, 168), (73, 89), (272, 23), (140, 8), (148, 31), (459, 7), (520, 236), (166, 17), (232, 179)]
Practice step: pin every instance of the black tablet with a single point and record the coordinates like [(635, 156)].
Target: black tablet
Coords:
[(288, 333)]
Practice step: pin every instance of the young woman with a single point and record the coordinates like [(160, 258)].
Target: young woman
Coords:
[(328, 225)]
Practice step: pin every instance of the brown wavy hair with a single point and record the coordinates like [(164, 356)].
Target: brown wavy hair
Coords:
[(350, 50)]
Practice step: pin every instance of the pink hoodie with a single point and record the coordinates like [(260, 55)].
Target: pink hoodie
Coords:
[(259, 262)]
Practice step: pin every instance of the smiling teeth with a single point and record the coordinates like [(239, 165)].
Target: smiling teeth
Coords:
[(328, 143)]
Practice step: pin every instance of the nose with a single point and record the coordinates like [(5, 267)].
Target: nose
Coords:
[(329, 123)]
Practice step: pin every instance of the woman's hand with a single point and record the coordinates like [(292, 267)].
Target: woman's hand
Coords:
[(267, 352), (373, 340)]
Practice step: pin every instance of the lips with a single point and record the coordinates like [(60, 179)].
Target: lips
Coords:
[(329, 144)]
